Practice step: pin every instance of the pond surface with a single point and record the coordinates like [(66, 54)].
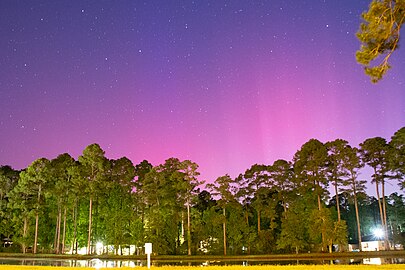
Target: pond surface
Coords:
[(98, 263)]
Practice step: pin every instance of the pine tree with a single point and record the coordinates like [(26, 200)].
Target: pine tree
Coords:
[(379, 36)]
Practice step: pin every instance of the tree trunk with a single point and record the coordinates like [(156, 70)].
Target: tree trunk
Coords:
[(380, 207), (188, 230), (58, 226), (319, 203), (386, 240), (356, 207), (247, 223), (64, 230), (224, 229), (36, 220), (322, 231), (36, 232), (285, 207), (90, 218), (378, 197), (74, 246), (337, 200), (25, 231), (55, 239), (383, 202), (258, 221)]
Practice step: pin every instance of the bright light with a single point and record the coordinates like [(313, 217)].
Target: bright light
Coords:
[(99, 248), (378, 232)]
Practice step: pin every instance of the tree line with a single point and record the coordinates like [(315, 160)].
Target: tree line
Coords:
[(62, 204)]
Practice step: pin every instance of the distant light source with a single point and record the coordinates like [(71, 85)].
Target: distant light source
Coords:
[(378, 232)]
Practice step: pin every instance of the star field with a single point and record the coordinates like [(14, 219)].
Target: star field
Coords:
[(224, 83)]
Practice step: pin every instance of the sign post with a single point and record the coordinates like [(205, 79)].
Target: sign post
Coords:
[(148, 251)]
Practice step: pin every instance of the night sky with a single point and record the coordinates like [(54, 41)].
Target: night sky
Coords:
[(226, 84)]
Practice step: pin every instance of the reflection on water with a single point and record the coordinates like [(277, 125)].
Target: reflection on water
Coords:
[(379, 261), (98, 263)]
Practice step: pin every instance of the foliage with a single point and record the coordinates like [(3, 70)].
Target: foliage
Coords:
[(294, 235), (336, 170), (397, 156), (335, 231), (375, 153), (8, 180), (310, 164), (379, 36), (65, 204)]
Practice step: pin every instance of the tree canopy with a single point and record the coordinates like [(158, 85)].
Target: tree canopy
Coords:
[(66, 205), (379, 35)]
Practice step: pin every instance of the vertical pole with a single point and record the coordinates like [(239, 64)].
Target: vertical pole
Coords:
[(148, 251)]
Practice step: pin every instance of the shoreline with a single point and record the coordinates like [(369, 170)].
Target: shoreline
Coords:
[(263, 257)]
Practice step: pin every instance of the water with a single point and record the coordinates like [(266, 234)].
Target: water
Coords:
[(98, 263), (95, 263)]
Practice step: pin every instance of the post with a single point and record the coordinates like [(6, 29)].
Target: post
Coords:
[(148, 251)]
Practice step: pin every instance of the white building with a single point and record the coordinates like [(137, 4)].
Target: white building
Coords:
[(373, 245)]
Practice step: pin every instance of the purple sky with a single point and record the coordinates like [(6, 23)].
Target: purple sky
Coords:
[(224, 83)]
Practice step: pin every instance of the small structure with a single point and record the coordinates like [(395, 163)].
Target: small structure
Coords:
[(372, 243), (353, 247), (376, 245)]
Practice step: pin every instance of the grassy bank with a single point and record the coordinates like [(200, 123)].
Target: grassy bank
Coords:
[(276, 257), (235, 267)]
